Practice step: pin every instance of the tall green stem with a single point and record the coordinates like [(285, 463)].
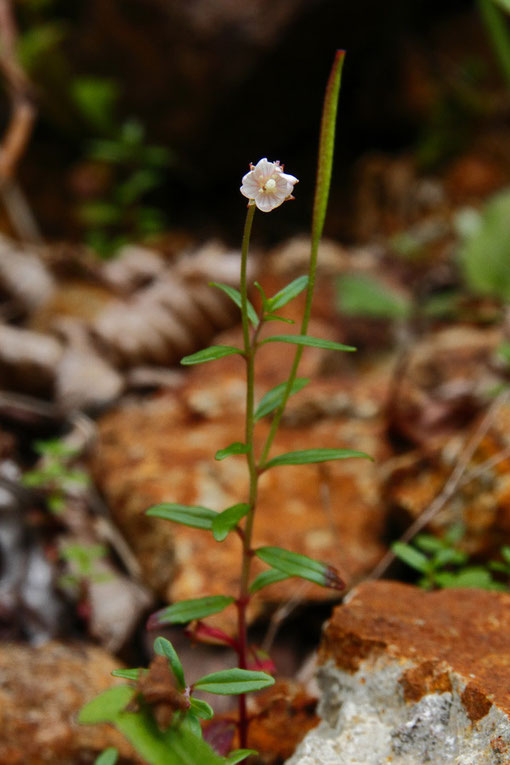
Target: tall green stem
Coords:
[(320, 203), (497, 30), (249, 354)]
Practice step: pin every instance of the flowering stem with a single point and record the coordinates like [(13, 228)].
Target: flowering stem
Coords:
[(249, 354), (320, 203)]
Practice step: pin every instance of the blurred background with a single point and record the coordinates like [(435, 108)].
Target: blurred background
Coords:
[(125, 129)]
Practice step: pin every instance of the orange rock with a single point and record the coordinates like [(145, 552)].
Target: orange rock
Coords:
[(42, 690)]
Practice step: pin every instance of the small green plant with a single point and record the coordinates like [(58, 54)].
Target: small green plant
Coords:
[(82, 562), (442, 564), (178, 740), (122, 214), (55, 477)]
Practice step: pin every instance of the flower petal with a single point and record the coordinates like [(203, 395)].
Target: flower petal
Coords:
[(267, 202)]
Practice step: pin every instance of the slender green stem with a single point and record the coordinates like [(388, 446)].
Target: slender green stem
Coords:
[(320, 203), (249, 353), (497, 30)]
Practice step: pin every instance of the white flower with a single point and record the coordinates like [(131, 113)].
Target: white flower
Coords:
[(267, 186)]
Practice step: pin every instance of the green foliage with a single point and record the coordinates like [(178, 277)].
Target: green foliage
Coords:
[(177, 745), (230, 682), (504, 4), (236, 448), (442, 564), (212, 353), (235, 296), (274, 397), (226, 521), (108, 757), (121, 215), (54, 477), (361, 295), (197, 608), (306, 340), (163, 647), (295, 564), (485, 251), (82, 560), (189, 515), (310, 456), (266, 578)]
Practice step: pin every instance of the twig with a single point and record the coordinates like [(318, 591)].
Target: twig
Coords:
[(450, 487), (19, 129)]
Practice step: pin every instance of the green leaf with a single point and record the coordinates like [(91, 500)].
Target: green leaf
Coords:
[(505, 553), (274, 397), (295, 564), (275, 317), (178, 745), (128, 674), (201, 708), (189, 515), (211, 354), (326, 148), (308, 456), (164, 647), (238, 755), (411, 556), (228, 520), (265, 299), (187, 610), (235, 295), (428, 543), (288, 293), (229, 682), (314, 342), (266, 578), (474, 576), (107, 705), (236, 448), (504, 4), (360, 295), (108, 757), (484, 256), (449, 556)]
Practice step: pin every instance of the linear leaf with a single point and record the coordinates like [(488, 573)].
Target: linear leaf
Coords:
[(275, 317), (295, 564), (274, 397), (108, 757), (201, 708), (228, 520), (229, 682), (266, 578), (187, 610), (236, 448), (211, 354), (164, 647), (411, 556), (314, 342), (128, 674), (106, 706), (235, 295), (288, 293), (238, 755), (310, 456), (188, 515), (326, 147)]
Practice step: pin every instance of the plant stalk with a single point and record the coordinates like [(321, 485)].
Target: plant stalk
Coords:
[(249, 351)]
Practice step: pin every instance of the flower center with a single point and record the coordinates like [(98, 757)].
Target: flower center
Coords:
[(270, 184)]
